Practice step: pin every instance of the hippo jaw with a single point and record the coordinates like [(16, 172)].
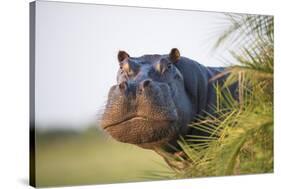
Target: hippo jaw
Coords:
[(142, 131)]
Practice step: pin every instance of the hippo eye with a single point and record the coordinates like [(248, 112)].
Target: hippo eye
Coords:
[(169, 65)]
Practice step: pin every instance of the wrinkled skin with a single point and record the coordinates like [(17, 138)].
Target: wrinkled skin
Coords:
[(155, 98)]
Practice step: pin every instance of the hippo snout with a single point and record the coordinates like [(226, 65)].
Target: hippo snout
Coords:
[(141, 109)]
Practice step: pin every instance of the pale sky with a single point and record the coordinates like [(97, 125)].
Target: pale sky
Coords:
[(77, 44)]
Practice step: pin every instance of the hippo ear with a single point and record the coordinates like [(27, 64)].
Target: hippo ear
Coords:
[(122, 55), (174, 55)]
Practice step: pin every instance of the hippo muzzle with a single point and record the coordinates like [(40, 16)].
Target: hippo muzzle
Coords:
[(141, 113)]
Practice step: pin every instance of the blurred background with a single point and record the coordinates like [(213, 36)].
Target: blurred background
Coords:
[(67, 157), (76, 48)]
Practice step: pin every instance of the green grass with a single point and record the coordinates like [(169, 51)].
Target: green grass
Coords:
[(90, 158)]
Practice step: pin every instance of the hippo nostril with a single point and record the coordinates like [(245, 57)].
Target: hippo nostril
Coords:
[(123, 86), (146, 83)]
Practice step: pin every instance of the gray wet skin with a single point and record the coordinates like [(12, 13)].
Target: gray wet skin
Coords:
[(155, 98)]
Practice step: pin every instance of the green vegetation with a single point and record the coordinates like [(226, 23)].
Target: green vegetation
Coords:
[(240, 137), (75, 158)]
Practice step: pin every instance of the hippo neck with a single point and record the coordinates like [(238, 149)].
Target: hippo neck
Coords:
[(201, 90)]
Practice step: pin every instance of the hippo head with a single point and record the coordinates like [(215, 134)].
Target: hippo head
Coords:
[(148, 106)]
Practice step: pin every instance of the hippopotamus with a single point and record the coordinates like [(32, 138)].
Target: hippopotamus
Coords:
[(156, 97)]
